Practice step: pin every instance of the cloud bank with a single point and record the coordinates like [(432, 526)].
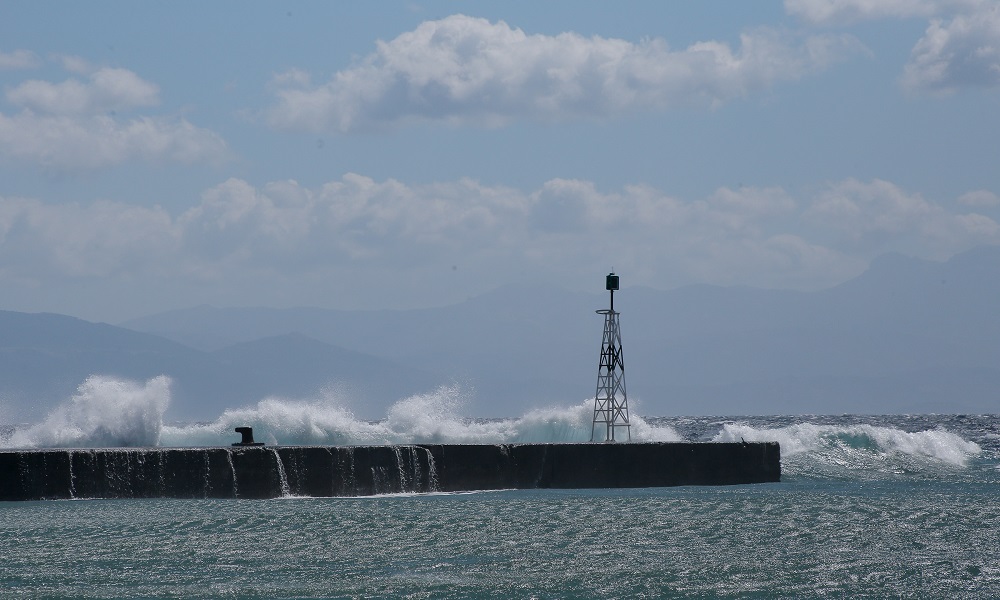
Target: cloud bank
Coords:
[(18, 59), (760, 236), (462, 69), (960, 47), (961, 52), (76, 124), (847, 11)]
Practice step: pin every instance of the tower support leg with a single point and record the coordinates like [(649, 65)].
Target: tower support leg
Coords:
[(611, 398)]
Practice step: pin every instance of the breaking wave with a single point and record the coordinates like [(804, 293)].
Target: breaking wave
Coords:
[(432, 418), (858, 451), (108, 412), (104, 412)]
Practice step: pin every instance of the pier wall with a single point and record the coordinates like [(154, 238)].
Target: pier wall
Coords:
[(269, 472)]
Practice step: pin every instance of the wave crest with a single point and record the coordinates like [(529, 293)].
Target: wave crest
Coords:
[(832, 450), (109, 412), (431, 418), (105, 412)]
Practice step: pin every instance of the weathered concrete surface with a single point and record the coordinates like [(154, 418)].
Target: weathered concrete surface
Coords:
[(268, 472)]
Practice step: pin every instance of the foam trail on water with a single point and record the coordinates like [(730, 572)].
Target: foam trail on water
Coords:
[(836, 450), (104, 412)]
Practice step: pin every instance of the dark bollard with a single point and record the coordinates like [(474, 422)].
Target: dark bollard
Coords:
[(247, 433)]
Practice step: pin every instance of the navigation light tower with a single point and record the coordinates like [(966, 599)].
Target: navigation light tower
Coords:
[(611, 400)]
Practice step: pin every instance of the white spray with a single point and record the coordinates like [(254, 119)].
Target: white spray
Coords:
[(109, 412), (104, 412)]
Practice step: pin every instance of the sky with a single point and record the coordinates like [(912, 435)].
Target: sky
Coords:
[(396, 155)]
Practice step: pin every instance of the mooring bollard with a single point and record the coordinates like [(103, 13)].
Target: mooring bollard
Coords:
[(247, 433)]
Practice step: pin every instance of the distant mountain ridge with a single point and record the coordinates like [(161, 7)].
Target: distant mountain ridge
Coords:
[(907, 335), (45, 357)]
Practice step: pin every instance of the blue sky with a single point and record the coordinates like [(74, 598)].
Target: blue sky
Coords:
[(395, 155)]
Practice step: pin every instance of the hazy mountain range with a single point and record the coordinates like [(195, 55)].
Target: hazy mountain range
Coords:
[(906, 336)]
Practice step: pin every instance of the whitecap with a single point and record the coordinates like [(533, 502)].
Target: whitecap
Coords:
[(807, 447), (104, 412), (109, 412)]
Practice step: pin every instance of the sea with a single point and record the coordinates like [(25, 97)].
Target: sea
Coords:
[(869, 506)]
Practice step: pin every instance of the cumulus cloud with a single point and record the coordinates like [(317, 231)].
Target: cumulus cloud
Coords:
[(759, 201), (845, 11), (960, 48), (462, 69), (107, 90), (876, 215), (982, 198), (60, 142), (758, 236), (18, 59), (102, 239), (75, 124), (74, 64), (956, 53)]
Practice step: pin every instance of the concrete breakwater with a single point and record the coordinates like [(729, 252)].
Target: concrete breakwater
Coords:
[(269, 472)]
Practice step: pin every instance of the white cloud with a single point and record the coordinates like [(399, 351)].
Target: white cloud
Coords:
[(237, 223), (467, 70), (102, 239), (879, 216), (960, 48), (74, 125), (843, 11), (74, 64), (107, 90), (283, 231), (758, 201), (89, 142), (18, 59), (962, 52), (978, 226), (292, 78), (982, 198)]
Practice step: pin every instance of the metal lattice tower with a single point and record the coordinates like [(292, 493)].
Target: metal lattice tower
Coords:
[(611, 400)]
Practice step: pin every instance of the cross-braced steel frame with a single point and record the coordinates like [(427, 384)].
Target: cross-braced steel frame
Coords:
[(611, 399)]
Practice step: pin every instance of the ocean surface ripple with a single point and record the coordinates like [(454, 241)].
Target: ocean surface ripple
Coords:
[(869, 506)]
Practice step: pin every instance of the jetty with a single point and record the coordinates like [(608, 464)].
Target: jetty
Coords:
[(248, 469), (330, 471)]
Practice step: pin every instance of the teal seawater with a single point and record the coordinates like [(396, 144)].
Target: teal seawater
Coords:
[(868, 507)]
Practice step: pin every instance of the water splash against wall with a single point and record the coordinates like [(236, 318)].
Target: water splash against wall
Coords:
[(107, 412), (113, 413), (850, 451), (104, 412)]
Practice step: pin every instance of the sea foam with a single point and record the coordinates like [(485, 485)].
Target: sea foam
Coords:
[(104, 412), (431, 418), (109, 412), (847, 450)]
